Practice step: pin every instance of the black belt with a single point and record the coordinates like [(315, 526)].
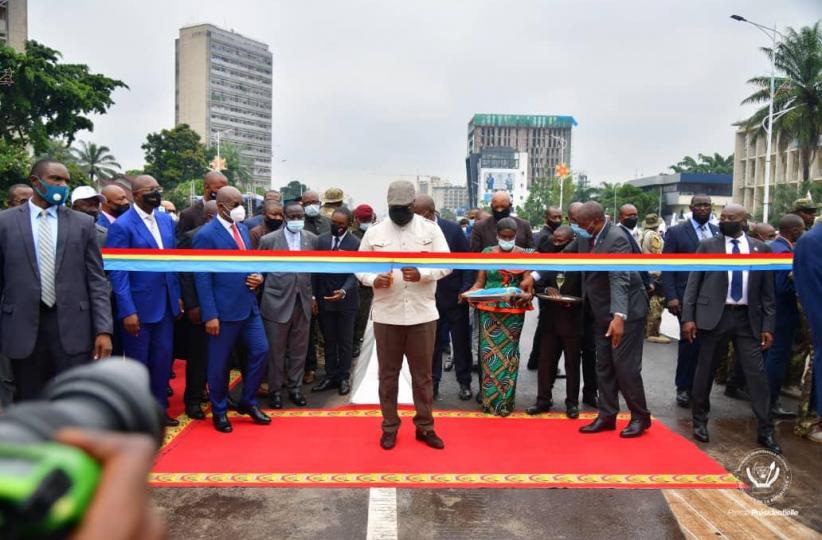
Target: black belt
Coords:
[(736, 306)]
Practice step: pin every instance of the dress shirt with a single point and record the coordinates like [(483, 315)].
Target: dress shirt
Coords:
[(150, 222), (744, 247), (34, 212), (229, 227), (405, 303), (337, 241), (109, 217), (703, 232), (294, 239)]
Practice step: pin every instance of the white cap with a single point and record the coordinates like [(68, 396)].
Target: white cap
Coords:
[(85, 192)]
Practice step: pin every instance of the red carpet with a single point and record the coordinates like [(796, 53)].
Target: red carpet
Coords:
[(339, 448)]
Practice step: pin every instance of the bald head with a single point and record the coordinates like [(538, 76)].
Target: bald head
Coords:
[(229, 195), (763, 231), (573, 209), (424, 206), (210, 209), (143, 183), (791, 227), (212, 182), (501, 199), (310, 197), (735, 210)]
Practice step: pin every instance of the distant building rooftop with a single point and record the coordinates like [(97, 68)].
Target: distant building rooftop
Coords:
[(523, 120), (682, 178)]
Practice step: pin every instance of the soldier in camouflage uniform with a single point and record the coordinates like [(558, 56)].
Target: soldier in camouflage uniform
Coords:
[(651, 242)]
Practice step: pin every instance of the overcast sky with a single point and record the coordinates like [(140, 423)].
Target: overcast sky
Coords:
[(367, 91)]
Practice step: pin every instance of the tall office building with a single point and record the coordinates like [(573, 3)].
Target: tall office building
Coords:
[(223, 85), (14, 26)]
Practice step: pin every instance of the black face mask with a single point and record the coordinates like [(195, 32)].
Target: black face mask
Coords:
[(273, 224), (401, 215), (630, 222), (213, 195), (730, 228), (702, 220), (558, 248), (502, 214), (338, 230), (553, 225), (119, 210), (93, 213), (153, 199)]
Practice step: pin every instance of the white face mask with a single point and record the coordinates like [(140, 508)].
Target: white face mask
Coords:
[(312, 210), (364, 226), (237, 213)]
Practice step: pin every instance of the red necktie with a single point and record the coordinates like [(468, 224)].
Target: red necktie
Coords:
[(237, 238)]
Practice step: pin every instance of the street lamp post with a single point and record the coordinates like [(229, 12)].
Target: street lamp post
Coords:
[(217, 135), (562, 144), (772, 33)]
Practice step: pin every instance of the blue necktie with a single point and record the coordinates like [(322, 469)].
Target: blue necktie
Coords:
[(736, 276)]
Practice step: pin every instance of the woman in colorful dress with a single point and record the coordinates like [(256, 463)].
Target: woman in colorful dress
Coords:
[(501, 324)]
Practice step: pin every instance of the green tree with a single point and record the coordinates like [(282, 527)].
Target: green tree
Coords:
[(49, 99), (293, 190), (613, 196), (716, 164), (14, 166), (60, 150), (797, 103), (175, 155), (544, 192), (183, 192), (238, 166), (96, 161)]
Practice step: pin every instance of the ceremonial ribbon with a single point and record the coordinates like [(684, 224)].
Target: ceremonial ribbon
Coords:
[(343, 262)]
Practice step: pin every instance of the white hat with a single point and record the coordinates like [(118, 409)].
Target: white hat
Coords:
[(85, 192)]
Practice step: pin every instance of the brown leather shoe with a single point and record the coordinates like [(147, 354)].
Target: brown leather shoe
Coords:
[(308, 378), (388, 440), (431, 439)]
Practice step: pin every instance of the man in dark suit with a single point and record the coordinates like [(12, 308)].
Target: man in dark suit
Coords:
[(147, 302), (807, 271), (453, 313), (114, 205), (228, 309), (287, 306), (316, 223), (484, 233), (194, 331), (194, 216), (337, 302), (734, 305), (628, 218), (619, 305), (553, 220), (685, 238), (56, 312)]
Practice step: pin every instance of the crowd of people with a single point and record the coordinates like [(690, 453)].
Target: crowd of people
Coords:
[(61, 309)]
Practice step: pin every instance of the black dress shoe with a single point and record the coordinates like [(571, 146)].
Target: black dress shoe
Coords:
[(635, 428), (769, 442), (779, 412), (737, 393), (345, 387), (255, 413), (572, 411), (431, 439), (221, 423), (701, 433), (599, 424), (591, 401), (297, 398), (436, 390), (534, 410), (326, 384), (232, 403), (275, 400), (465, 392), (683, 398), (532, 364), (195, 412), (170, 422), (388, 440)]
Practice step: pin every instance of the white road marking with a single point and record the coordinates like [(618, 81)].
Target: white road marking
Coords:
[(382, 514)]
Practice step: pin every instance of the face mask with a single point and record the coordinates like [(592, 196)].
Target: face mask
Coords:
[(506, 245), (213, 195), (53, 195), (579, 231), (92, 213), (702, 220), (560, 247), (464, 228), (273, 224), (312, 210), (730, 228), (237, 214), (401, 215), (364, 226), (630, 222), (471, 221), (553, 225), (295, 225), (174, 217), (501, 214), (118, 211), (338, 230), (152, 199)]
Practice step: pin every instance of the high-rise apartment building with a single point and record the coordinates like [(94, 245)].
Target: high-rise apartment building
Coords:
[(14, 26), (223, 86)]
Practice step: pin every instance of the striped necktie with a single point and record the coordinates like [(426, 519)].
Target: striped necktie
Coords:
[(45, 256)]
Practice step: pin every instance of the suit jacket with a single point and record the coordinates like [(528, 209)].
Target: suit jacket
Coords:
[(147, 294), (318, 224), (191, 218), (458, 281), (325, 284), (807, 275), (704, 300), (559, 318), (222, 295), (680, 238), (103, 221), (787, 311), (188, 288), (281, 288), (102, 235), (611, 292), (83, 304), (484, 234), (635, 248)]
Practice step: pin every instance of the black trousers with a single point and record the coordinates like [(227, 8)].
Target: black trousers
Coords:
[(589, 355), (338, 330), (456, 317), (196, 363), (47, 360), (620, 370), (311, 355), (552, 346), (533, 359), (733, 325)]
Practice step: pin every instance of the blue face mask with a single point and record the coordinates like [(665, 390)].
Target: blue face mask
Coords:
[(470, 221), (295, 225), (579, 231), (53, 195), (506, 245)]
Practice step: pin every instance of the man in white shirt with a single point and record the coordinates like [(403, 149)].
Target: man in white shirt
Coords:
[(404, 312)]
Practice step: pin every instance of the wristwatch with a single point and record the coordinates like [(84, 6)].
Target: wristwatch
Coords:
[(621, 316)]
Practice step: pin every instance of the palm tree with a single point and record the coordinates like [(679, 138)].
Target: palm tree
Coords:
[(715, 164), (797, 98), (96, 161)]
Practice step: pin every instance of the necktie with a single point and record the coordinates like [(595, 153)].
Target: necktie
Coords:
[(237, 238), (736, 276), (45, 255), (336, 245)]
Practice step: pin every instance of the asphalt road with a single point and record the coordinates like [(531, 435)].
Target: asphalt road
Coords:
[(252, 513)]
